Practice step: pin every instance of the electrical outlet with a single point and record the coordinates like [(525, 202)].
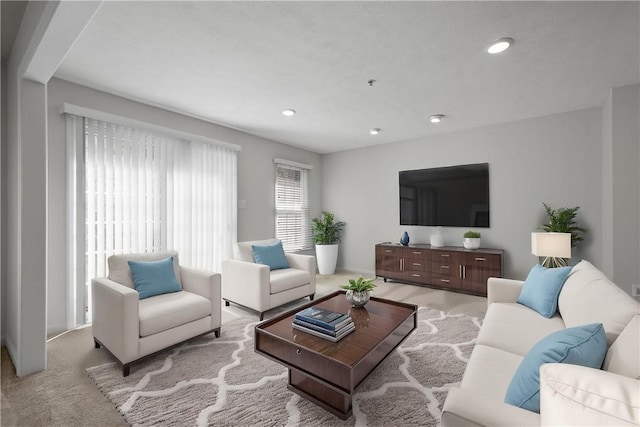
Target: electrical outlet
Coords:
[(635, 290)]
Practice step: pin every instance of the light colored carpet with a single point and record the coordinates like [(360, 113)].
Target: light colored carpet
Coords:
[(222, 381)]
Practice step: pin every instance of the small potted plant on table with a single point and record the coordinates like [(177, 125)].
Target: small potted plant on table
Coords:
[(358, 291), (471, 240)]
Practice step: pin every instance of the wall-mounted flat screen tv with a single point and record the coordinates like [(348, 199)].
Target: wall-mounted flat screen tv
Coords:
[(453, 196)]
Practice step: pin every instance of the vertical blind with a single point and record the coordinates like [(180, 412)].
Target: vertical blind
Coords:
[(293, 222), (146, 192)]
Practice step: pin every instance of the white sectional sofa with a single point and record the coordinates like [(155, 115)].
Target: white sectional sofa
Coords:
[(569, 394)]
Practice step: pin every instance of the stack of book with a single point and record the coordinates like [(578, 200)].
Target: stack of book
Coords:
[(323, 323)]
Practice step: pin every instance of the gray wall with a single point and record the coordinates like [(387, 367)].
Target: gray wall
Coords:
[(554, 159), (256, 174)]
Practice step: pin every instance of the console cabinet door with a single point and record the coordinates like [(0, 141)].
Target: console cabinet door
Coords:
[(445, 269), (477, 268), (389, 262)]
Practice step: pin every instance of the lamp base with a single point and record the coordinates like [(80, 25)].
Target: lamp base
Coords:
[(553, 262)]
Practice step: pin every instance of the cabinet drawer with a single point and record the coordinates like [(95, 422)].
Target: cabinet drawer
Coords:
[(417, 276), (415, 264), (417, 253), (446, 281), (389, 251), (445, 268)]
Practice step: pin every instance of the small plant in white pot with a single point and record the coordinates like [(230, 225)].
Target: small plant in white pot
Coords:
[(326, 235), (358, 291), (471, 240)]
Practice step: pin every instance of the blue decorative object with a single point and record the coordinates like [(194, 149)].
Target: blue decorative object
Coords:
[(542, 287), (271, 255), (404, 239), (152, 278), (583, 345)]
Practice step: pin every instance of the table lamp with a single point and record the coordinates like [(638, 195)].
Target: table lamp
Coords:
[(554, 247)]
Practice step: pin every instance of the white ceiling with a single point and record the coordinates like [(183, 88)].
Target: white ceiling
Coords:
[(241, 63)]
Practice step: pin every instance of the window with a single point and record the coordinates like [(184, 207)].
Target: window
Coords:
[(144, 191), (293, 222)]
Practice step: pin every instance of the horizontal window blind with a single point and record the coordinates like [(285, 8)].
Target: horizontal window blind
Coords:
[(293, 223)]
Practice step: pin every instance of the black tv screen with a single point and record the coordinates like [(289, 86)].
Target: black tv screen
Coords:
[(453, 196)]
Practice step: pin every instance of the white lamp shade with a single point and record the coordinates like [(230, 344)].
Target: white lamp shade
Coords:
[(553, 245)]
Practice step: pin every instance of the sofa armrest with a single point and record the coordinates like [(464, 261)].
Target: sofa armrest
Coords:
[(116, 322), (470, 408), (572, 395), (246, 283), (206, 284), (503, 290), (304, 262)]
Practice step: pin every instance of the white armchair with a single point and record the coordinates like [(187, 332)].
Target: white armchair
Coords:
[(255, 286), (131, 328)]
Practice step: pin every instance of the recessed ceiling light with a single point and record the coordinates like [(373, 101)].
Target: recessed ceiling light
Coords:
[(436, 118), (500, 45), (375, 131), (289, 112)]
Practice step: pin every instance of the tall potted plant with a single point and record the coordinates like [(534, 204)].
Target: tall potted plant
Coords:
[(326, 235)]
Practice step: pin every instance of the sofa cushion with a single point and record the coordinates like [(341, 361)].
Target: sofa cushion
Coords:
[(489, 371), (120, 272), (163, 312), (288, 278), (271, 255), (583, 345), (623, 356), (242, 250), (589, 297), (542, 287), (515, 328), (154, 277), (575, 395)]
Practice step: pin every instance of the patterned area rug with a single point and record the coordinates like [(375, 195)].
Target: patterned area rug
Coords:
[(223, 382)]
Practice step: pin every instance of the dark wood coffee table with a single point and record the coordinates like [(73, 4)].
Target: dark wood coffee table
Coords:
[(328, 373)]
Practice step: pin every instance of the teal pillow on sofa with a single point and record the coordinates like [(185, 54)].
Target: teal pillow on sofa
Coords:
[(583, 345), (152, 278), (271, 255), (542, 287)]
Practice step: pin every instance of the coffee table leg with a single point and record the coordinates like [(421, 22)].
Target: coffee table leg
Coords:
[(322, 394)]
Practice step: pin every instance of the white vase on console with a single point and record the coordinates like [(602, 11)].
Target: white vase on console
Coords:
[(437, 239)]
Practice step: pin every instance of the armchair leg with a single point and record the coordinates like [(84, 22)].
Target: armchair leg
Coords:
[(217, 333), (96, 344), (226, 303), (261, 315), (312, 296), (126, 369)]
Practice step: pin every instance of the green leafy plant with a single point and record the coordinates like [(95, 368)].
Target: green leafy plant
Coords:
[(562, 220), (360, 285), (472, 235), (326, 230)]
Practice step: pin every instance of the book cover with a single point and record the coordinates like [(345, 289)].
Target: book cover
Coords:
[(319, 316), (343, 333), (338, 330)]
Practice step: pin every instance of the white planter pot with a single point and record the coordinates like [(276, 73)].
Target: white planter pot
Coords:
[(470, 243), (327, 257)]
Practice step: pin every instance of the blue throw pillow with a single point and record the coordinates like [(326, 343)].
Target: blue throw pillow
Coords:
[(154, 277), (542, 287), (271, 255), (583, 345)]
